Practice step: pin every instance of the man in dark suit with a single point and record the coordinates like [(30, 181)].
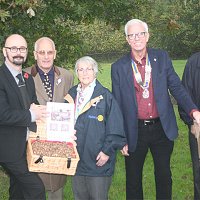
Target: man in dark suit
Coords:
[(141, 82), (18, 111)]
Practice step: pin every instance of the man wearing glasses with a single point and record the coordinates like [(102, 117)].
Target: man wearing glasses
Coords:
[(17, 112), (52, 84), (141, 82)]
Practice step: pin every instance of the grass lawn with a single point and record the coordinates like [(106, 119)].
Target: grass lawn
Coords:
[(180, 163)]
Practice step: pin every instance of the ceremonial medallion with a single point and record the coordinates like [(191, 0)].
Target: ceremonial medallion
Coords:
[(145, 94)]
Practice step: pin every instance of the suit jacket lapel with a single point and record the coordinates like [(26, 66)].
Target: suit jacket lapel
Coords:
[(40, 88), (155, 67), (128, 71), (13, 83), (57, 87)]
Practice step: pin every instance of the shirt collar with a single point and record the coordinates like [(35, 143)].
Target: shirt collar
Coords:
[(50, 73), (12, 70), (136, 61), (89, 87)]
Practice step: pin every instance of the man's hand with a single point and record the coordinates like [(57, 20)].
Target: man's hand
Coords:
[(195, 129), (124, 151), (39, 111), (196, 116), (102, 158)]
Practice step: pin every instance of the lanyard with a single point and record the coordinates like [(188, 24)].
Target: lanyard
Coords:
[(144, 85)]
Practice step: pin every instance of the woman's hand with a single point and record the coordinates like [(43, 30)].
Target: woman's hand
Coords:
[(102, 158), (73, 137)]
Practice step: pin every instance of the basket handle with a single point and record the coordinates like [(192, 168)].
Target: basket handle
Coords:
[(68, 163), (40, 159)]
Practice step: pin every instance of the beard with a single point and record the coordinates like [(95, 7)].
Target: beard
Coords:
[(18, 60)]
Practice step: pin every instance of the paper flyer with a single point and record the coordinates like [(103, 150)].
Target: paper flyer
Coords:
[(60, 122)]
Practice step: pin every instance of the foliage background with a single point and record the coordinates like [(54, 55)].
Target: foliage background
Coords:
[(96, 27)]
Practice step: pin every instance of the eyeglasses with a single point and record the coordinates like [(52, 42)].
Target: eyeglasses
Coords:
[(87, 70), (15, 49), (43, 53), (139, 35)]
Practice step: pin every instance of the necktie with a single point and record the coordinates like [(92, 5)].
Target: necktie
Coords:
[(21, 81), (47, 86), (80, 103), (81, 98), (23, 91)]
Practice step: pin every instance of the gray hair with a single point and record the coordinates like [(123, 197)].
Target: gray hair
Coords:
[(89, 61), (135, 21), (44, 38)]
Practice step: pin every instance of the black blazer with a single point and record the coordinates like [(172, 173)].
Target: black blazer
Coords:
[(14, 118), (191, 82)]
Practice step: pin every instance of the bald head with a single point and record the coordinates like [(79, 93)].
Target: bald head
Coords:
[(45, 53), (15, 40), (42, 41), (15, 51)]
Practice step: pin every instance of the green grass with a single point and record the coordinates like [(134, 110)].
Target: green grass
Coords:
[(179, 66), (180, 163)]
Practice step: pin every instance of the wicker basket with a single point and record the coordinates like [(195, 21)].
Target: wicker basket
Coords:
[(50, 164)]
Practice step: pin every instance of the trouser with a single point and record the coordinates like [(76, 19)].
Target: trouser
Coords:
[(91, 188), (24, 185), (195, 165), (54, 185), (57, 195), (150, 137)]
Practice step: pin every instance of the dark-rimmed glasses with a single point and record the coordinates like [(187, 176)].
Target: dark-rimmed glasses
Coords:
[(15, 49)]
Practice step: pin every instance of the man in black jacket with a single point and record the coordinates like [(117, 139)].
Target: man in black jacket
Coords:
[(191, 81), (17, 114)]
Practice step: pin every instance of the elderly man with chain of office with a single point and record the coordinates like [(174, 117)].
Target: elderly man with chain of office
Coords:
[(141, 82), (52, 84)]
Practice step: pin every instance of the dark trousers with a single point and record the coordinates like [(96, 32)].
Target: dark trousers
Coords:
[(195, 165), (150, 137), (91, 188), (24, 185)]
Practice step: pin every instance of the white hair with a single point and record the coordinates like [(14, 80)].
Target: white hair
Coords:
[(89, 61), (44, 38), (135, 21)]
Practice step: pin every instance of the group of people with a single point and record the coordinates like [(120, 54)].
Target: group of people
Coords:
[(136, 117)]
